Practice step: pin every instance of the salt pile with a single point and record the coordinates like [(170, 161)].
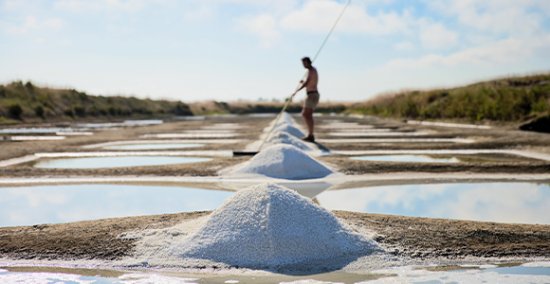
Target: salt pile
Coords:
[(287, 128), (281, 161), (268, 225), (285, 138)]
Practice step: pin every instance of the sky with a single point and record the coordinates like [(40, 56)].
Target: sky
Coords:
[(225, 50)]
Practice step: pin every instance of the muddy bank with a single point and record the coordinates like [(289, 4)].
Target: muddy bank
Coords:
[(209, 168), (354, 167), (421, 238), (430, 237), (81, 240)]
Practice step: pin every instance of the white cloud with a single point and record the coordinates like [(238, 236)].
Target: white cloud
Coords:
[(403, 46), (31, 23), (106, 5), (504, 51), (319, 16), (264, 26), (436, 36), (199, 11), (495, 16)]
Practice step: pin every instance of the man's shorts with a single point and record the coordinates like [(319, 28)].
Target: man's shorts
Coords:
[(312, 99)]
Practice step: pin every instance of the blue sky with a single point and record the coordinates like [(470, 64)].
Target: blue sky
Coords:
[(248, 49)]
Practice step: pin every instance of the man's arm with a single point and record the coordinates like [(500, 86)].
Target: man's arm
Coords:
[(304, 83)]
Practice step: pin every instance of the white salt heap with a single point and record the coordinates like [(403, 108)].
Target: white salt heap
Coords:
[(285, 138), (281, 161), (268, 225), (290, 129)]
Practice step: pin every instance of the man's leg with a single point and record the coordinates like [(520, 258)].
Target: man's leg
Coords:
[(307, 113)]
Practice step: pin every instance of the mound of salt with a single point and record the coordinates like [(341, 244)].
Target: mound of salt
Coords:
[(287, 118), (268, 225), (281, 161), (292, 130), (285, 138)]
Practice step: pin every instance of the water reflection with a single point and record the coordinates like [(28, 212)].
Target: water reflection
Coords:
[(406, 158), (66, 203), (152, 146), (115, 162), (498, 202)]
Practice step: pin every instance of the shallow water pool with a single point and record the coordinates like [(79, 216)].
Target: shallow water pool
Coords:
[(407, 159), (115, 162), (152, 146), (540, 273), (31, 205), (508, 202)]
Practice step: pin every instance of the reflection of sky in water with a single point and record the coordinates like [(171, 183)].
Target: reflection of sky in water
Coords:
[(405, 158), (406, 274), (66, 203), (152, 146), (115, 162), (499, 202)]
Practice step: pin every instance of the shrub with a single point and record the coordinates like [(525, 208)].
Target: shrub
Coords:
[(69, 112), (181, 109), (15, 111), (39, 111), (80, 111)]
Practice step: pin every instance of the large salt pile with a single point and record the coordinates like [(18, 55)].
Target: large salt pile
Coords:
[(281, 161), (268, 225)]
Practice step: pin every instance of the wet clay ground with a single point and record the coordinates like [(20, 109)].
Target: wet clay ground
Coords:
[(407, 236)]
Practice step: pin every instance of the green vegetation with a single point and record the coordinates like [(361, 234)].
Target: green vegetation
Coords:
[(245, 107), (509, 99), (24, 101)]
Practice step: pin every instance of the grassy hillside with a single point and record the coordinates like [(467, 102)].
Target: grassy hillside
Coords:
[(508, 99), (24, 101)]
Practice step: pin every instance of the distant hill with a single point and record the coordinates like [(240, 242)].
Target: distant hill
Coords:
[(24, 101), (245, 107), (511, 99)]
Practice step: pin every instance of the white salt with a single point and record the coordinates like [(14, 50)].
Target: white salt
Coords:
[(281, 161), (290, 129), (285, 138), (268, 225)]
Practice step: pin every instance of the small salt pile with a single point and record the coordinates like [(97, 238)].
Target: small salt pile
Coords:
[(290, 129), (281, 161), (268, 225), (285, 119), (285, 138)]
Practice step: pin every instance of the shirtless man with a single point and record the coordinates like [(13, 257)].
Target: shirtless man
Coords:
[(312, 97)]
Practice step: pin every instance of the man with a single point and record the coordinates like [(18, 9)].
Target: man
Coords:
[(312, 98)]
